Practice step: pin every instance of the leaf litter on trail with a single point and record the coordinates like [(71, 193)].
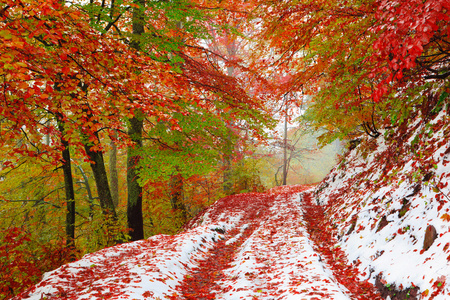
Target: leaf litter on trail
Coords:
[(247, 246)]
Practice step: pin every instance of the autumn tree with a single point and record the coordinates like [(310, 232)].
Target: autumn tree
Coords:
[(57, 76), (353, 57)]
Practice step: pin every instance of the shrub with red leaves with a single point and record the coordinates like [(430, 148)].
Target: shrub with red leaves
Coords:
[(22, 262)]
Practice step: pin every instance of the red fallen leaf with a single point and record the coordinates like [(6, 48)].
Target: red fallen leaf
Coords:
[(147, 294), (446, 246), (126, 280)]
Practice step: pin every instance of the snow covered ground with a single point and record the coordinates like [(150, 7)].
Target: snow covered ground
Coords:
[(144, 269), (383, 202), (274, 258)]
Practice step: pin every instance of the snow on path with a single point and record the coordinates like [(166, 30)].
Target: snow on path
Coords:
[(276, 261), (147, 269)]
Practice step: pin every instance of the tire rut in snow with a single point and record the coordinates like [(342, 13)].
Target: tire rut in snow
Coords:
[(201, 283)]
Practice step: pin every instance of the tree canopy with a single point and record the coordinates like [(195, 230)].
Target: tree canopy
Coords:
[(353, 57), (184, 91)]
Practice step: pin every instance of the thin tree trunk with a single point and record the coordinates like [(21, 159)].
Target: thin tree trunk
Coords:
[(228, 157), (113, 174), (68, 178), (134, 204), (97, 164), (98, 168), (177, 196), (68, 186), (285, 164), (89, 192), (227, 173)]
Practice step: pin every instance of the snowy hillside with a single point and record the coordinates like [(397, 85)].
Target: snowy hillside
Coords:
[(389, 201)]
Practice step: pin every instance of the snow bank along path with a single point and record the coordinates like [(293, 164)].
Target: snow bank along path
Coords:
[(248, 246), (382, 202)]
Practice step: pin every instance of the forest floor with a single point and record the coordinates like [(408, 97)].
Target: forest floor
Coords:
[(275, 245)]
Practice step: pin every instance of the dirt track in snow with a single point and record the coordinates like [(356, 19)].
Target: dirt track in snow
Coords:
[(282, 248)]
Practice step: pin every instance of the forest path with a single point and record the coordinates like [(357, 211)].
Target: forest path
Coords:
[(281, 248), (271, 246)]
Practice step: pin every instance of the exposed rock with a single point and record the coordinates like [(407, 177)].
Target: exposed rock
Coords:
[(405, 207), (427, 177), (430, 236), (219, 230), (352, 227), (393, 292), (382, 224), (415, 191)]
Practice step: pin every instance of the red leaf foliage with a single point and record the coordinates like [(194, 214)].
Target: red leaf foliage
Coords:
[(20, 266)]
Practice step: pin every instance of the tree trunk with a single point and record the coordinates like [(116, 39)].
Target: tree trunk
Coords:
[(68, 186), (177, 196), (285, 162), (68, 179), (134, 203), (89, 192), (98, 168), (113, 174), (97, 164), (228, 157), (227, 174)]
